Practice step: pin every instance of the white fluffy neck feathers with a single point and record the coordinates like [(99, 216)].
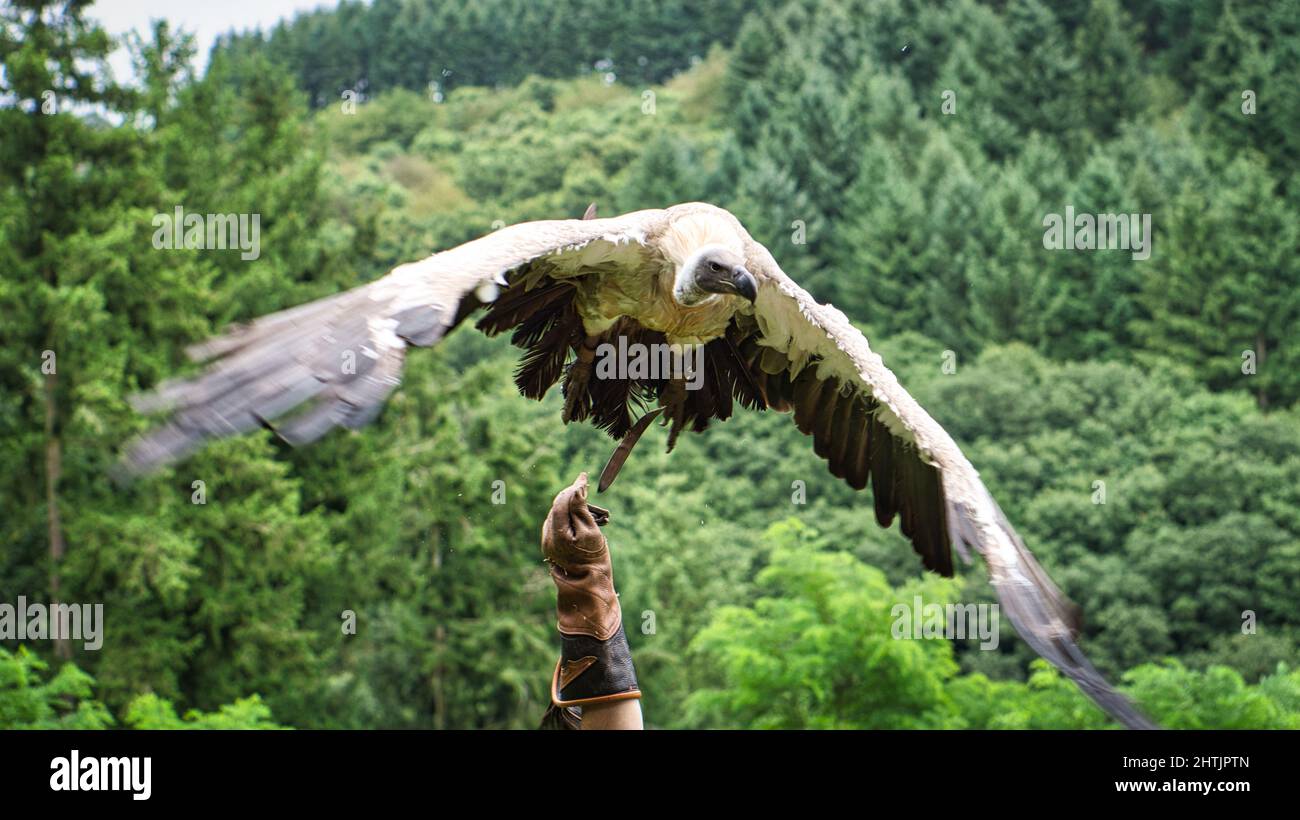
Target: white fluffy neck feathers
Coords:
[(690, 233)]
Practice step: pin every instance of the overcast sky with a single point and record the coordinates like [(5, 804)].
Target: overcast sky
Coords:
[(205, 19)]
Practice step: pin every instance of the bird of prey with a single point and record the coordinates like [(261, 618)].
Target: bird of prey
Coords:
[(686, 275)]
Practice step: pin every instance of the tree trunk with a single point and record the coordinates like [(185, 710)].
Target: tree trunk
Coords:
[(439, 691), (1261, 396), (53, 470)]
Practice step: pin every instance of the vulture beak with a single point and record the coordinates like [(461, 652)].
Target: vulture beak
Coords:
[(744, 283)]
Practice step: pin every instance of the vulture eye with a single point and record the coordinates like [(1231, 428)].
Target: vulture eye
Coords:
[(715, 267)]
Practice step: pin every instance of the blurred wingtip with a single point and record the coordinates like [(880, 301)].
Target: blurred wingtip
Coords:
[(1042, 615), (154, 450)]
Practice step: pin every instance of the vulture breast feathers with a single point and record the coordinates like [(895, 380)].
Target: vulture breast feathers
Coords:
[(562, 288)]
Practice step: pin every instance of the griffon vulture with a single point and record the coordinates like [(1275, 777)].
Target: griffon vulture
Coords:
[(690, 275)]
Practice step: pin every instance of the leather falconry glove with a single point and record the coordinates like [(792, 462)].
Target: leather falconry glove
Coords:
[(595, 663)]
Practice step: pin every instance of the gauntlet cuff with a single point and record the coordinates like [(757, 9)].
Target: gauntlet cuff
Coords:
[(593, 671)]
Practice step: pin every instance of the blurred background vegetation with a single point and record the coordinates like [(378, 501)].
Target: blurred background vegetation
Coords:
[(744, 609)]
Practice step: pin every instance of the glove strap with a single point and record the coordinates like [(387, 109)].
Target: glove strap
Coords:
[(593, 671)]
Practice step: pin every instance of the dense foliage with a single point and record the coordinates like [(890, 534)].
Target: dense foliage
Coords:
[(1103, 398), (437, 45)]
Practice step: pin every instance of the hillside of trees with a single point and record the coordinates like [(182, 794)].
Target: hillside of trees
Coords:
[(1136, 419)]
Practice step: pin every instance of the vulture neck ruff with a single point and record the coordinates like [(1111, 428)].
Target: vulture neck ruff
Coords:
[(684, 241), (686, 235)]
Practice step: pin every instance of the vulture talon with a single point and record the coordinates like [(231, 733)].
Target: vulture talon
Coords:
[(673, 399), (575, 389), (575, 383)]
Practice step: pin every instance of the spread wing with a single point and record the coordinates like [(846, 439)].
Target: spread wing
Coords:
[(808, 358), (334, 362)]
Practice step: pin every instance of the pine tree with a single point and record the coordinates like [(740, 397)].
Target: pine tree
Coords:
[(1222, 293), (1108, 86), (69, 188)]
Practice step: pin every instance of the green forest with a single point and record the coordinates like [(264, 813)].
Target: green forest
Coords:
[(1137, 419)]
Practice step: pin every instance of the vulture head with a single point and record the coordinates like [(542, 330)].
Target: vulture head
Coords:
[(711, 271)]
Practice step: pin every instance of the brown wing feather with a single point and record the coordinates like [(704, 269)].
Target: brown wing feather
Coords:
[(843, 423)]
